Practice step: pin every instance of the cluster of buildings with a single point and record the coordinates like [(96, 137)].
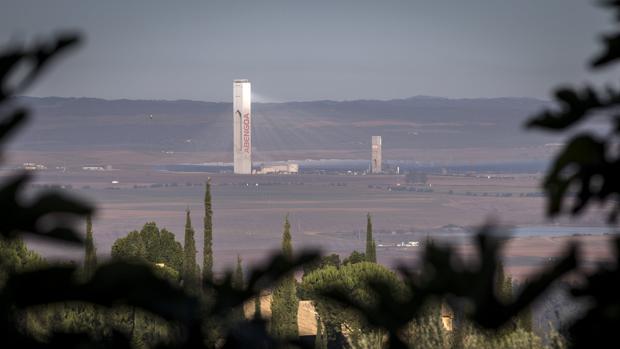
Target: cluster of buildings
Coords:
[(32, 166), (242, 137), (97, 168)]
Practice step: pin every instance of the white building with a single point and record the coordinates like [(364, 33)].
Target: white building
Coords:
[(242, 127), (279, 169), (96, 168), (31, 166), (375, 161)]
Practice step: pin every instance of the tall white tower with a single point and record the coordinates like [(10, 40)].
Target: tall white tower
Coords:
[(375, 162), (242, 126)]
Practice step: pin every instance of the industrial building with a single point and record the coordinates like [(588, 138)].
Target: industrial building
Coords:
[(31, 166), (279, 169), (375, 161), (242, 127)]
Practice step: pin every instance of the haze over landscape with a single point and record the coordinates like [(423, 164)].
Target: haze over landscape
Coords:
[(149, 143), (391, 136)]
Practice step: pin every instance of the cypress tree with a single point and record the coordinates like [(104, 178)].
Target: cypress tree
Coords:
[(207, 259), (238, 283), (284, 303), (90, 253), (287, 245), (190, 272), (371, 249), (238, 274)]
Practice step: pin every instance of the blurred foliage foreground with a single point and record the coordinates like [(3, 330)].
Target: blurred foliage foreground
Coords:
[(391, 314)]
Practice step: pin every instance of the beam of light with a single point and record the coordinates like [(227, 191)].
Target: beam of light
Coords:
[(284, 132), (212, 145)]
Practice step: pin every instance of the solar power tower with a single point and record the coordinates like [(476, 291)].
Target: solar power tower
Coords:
[(242, 126), (375, 161)]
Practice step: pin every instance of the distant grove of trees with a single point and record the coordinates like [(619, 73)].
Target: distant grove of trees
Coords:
[(151, 245)]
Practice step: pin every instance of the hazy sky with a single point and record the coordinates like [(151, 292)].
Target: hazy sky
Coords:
[(308, 50)]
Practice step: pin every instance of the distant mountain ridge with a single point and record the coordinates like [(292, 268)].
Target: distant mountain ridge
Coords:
[(88, 105), (184, 125)]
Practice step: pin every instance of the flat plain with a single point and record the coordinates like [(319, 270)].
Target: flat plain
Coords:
[(326, 212)]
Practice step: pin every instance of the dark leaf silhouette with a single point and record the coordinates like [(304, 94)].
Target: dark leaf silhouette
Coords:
[(444, 276), (611, 41), (596, 329), (39, 57), (11, 123), (588, 169), (588, 164), (585, 166), (576, 106), (45, 216), (228, 296), (113, 284)]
